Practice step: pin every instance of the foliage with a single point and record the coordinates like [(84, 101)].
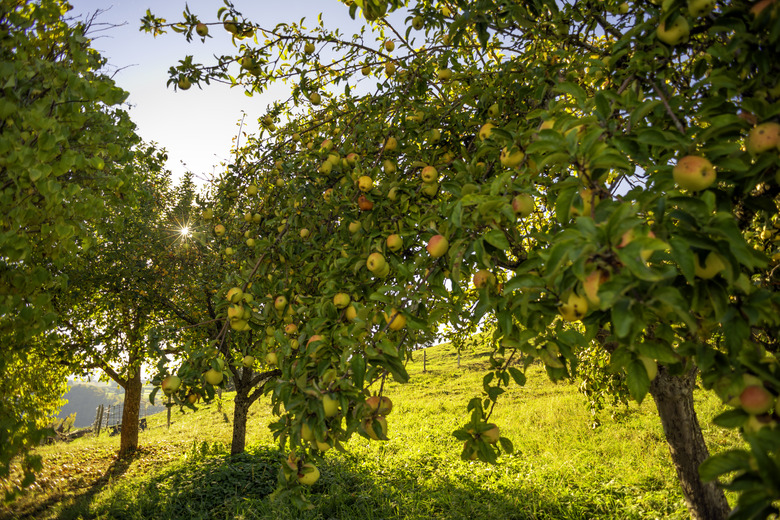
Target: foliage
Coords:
[(595, 111)]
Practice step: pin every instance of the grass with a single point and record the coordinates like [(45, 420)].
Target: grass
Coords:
[(561, 468)]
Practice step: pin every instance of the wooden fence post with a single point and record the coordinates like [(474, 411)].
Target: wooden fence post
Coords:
[(98, 420), (425, 361)]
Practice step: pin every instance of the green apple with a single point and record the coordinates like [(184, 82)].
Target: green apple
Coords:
[(184, 83), (375, 262), (351, 313), (308, 48), (235, 295), (763, 138), (511, 157), (444, 74), (492, 435), (675, 33), (213, 377), (202, 29), (494, 111), (390, 144), (368, 426), (700, 7), (365, 183), (713, 264), (389, 45), (231, 27), (390, 68), (306, 433), (523, 205), (418, 22), (330, 405), (280, 303), (271, 358), (388, 166), (315, 98), (395, 242), (219, 230), (484, 278), (341, 300), (309, 474), (574, 309), (429, 174), (354, 226), (430, 190), (366, 70), (438, 246), (694, 173), (485, 131), (170, 384), (235, 312), (208, 214), (248, 361), (304, 232)]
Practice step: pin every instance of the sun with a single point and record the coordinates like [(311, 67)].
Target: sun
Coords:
[(184, 231)]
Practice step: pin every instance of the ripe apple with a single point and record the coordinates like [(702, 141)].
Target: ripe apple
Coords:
[(309, 474), (377, 405), (418, 22), (351, 313), (304, 232), (389, 45), (341, 300), (271, 358), (430, 190), (308, 48), (763, 138), (700, 7), (694, 173), (429, 174), (291, 328), (389, 68), (523, 204), (213, 377), (438, 246), (364, 204), (591, 285), (235, 312), (354, 226), (485, 131), (365, 183), (375, 262), (219, 230), (368, 426), (202, 29), (395, 242), (248, 361), (390, 144), (193, 397), (330, 405), (170, 384), (484, 278), (491, 436), (235, 295), (574, 309), (756, 400), (365, 70), (239, 325), (444, 74), (315, 98), (511, 158), (713, 264), (280, 303), (396, 320), (675, 33)]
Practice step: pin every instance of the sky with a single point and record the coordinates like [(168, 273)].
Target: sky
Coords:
[(196, 127)]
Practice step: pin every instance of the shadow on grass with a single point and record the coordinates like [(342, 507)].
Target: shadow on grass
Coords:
[(351, 488)]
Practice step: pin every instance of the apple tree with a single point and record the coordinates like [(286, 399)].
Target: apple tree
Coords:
[(603, 175), (64, 157)]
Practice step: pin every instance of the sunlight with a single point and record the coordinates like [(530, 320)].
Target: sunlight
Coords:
[(184, 231)]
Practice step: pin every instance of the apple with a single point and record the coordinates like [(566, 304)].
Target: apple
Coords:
[(591, 285), (484, 278), (239, 325), (235, 295), (271, 358), (700, 7), (511, 158), (306, 433), (389, 68), (341, 300), (444, 74), (429, 174), (430, 190), (184, 83), (213, 377), (438, 246), (418, 22), (395, 242), (694, 173), (396, 320), (756, 400), (351, 313), (308, 48), (354, 226), (523, 205), (675, 33), (219, 230), (390, 144), (220, 364), (364, 204), (485, 131), (713, 264), (248, 361), (375, 262), (365, 183), (389, 45), (170, 384), (291, 328), (202, 29), (330, 405), (193, 397), (327, 194), (381, 406), (763, 138), (365, 70), (229, 251), (491, 436), (280, 303), (309, 474), (368, 426), (250, 242), (388, 166), (208, 214), (472, 451), (315, 98), (235, 312), (304, 232), (574, 309), (494, 110)]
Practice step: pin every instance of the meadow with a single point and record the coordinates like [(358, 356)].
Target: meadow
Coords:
[(562, 467)]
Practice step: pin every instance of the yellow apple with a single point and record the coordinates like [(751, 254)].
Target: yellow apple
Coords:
[(365, 183), (248, 361), (694, 173), (523, 205), (170, 384), (486, 130), (309, 474), (235, 295), (219, 230), (351, 313), (390, 144), (675, 33), (444, 74), (280, 303), (484, 278), (308, 48), (492, 435), (375, 262), (389, 45), (388, 166), (575, 308), (341, 300), (700, 7), (763, 138), (354, 226), (184, 83), (438, 246), (315, 98), (511, 158), (429, 174), (395, 242), (213, 377), (271, 358), (306, 433), (398, 320)]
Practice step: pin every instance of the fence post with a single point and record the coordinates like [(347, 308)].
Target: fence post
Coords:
[(98, 419), (108, 416), (425, 360)]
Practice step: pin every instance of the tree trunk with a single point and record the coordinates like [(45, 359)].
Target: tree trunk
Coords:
[(240, 413), (130, 414), (673, 397)]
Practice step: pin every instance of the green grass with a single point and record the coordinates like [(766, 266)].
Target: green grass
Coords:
[(561, 468)]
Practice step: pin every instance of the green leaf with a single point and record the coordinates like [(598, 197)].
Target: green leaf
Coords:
[(637, 381), (722, 463), (497, 239), (731, 418)]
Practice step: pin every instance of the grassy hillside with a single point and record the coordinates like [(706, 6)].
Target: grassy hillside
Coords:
[(562, 469), (84, 398)]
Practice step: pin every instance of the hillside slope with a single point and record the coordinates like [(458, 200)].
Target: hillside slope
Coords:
[(561, 468)]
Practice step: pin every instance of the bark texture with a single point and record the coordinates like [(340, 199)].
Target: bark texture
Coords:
[(130, 415), (673, 397)]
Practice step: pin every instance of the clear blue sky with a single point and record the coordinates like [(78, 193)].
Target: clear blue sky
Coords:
[(196, 126)]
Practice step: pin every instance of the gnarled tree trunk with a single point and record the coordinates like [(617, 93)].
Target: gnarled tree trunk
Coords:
[(673, 397), (130, 414)]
